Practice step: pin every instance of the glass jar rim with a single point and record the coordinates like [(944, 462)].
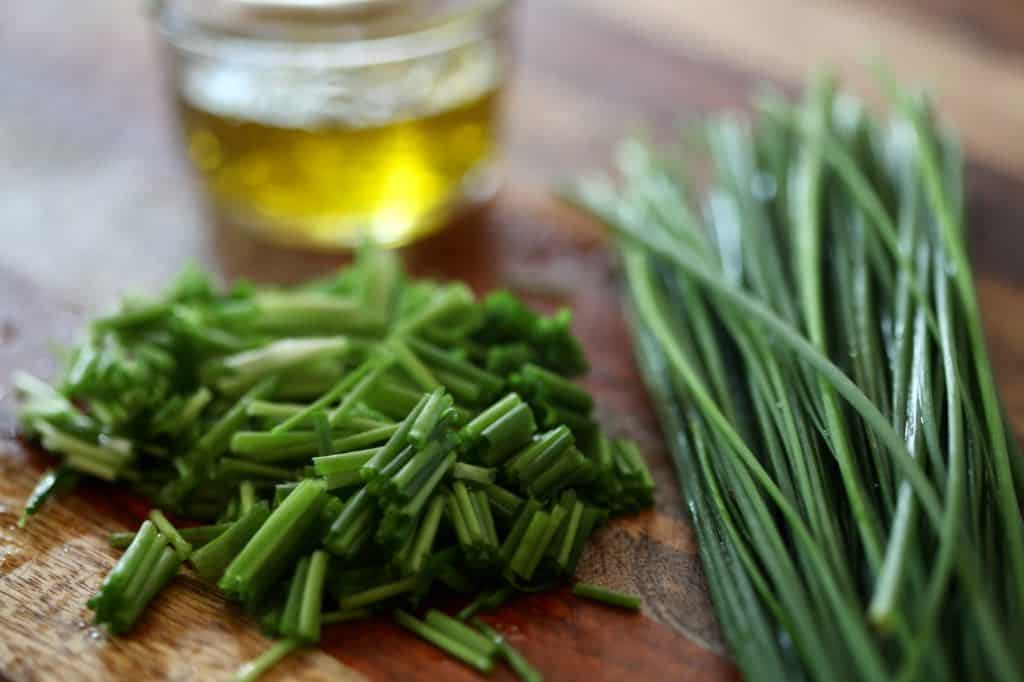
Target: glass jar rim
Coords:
[(317, 33)]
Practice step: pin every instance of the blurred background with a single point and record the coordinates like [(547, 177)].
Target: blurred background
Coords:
[(94, 183)]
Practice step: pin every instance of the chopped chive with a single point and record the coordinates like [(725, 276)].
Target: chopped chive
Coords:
[(460, 632), (467, 510), (378, 594), (266, 555), (196, 536), (301, 616), (322, 428), (545, 385), (429, 417), (452, 647), (515, 660), (482, 505), (366, 382), (240, 468), (424, 539), (347, 435), (257, 667), (211, 559), (289, 625), (286, 447), (606, 596), (486, 601), (507, 434), (215, 441), (399, 520), (475, 428), (344, 462), (374, 469), (444, 302), (412, 365), (246, 497), (340, 388), (51, 483), (181, 545), (504, 501), (474, 474), (445, 363), (530, 545), (519, 528)]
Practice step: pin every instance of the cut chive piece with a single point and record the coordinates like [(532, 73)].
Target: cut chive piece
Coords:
[(197, 536), (506, 503), (430, 415), (181, 545), (378, 594), (211, 559), (246, 497), (343, 469), (475, 428), (215, 441), (606, 596), (343, 386), (412, 365), (459, 631), (444, 362), (239, 468), (286, 447), (474, 474), (265, 557), (515, 660), (546, 386), (322, 428), (53, 482), (444, 302), (103, 461), (515, 536), (399, 519), (353, 526), (373, 470), (452, 647), (486, 601), (423, 542), (259, 666), (143, 570), (289, 623), (377, 367)]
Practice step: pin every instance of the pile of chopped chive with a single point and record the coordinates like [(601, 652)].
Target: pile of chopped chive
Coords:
[(349, 443)]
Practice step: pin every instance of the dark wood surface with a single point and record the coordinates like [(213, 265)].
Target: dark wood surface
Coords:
[(95, 200)]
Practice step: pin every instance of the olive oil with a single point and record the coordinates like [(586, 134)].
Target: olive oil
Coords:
[(335, 183)]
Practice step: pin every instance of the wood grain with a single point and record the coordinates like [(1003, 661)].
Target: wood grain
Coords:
[(95, 199)]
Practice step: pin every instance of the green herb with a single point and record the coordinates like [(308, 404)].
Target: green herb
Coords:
[(606, 596), (455, 647), (814, 346), (257, 667), (515, 660), (351, 443)]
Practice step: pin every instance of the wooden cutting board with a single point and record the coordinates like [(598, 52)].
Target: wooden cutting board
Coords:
[(94, 200)]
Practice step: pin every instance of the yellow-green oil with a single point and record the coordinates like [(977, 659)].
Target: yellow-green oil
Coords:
[(334, 185)]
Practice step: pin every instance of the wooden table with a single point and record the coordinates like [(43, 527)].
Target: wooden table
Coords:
[(94, 199)]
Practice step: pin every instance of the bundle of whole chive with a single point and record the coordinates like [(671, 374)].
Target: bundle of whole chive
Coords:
[(813, 342), (352, 443)]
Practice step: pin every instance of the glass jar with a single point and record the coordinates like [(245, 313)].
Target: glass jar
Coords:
[(326, 122)]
